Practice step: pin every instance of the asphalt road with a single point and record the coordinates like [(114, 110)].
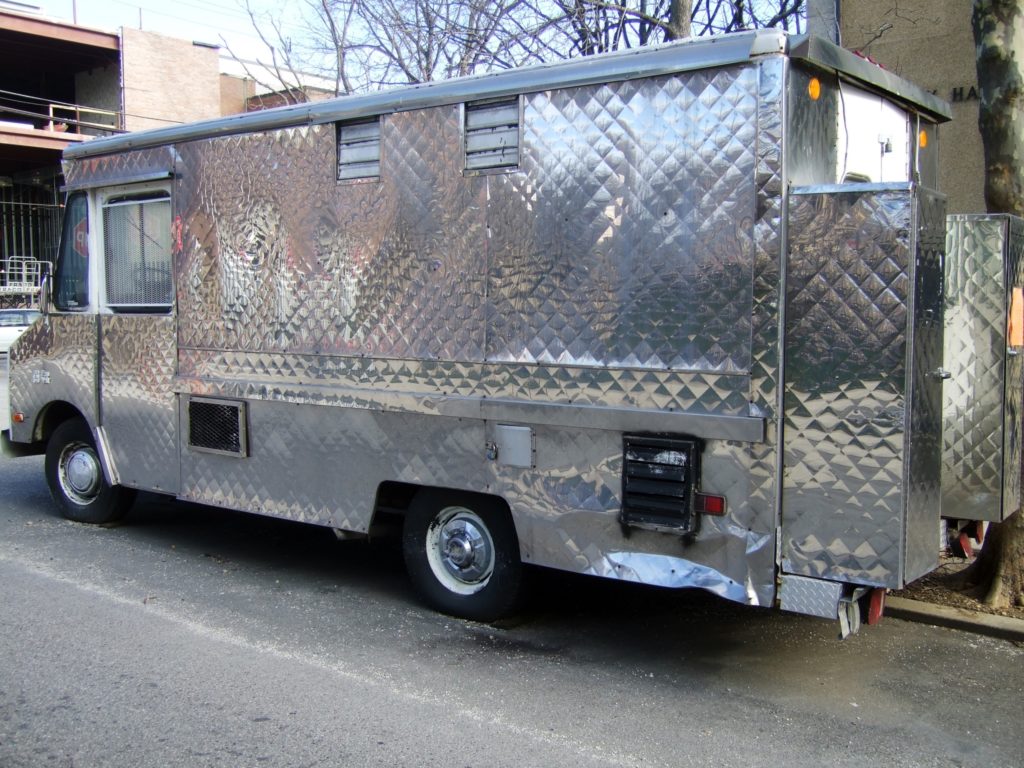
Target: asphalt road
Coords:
[(196, 637)]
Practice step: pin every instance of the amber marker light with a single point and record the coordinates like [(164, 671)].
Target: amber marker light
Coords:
[(17, 417), (814, 89), (922, 139)]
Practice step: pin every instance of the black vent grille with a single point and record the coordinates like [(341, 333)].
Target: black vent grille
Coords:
[(217, 426), (359, 150), (658, 478), (492, 135)]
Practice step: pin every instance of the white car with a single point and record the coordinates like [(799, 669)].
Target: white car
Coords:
[(13, 323)]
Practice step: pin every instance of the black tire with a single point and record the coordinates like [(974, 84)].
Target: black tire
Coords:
[(462, 554), (76, 480)]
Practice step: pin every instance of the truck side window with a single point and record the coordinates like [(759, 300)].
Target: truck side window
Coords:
[(71, 280), (137, 252)]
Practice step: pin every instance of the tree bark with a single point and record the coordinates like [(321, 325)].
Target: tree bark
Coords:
[(998, 573), (679, 15), (997, 576), (997, 24)]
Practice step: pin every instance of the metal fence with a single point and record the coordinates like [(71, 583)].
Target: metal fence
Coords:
[(29, 223)]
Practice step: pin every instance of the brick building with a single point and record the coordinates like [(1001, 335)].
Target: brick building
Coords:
[(62, 83)]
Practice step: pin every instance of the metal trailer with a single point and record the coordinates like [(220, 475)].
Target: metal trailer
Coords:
[(672, 316), (984, 338)]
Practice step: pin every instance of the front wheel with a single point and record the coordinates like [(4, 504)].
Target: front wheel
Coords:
[(75, 477), (462, 554)]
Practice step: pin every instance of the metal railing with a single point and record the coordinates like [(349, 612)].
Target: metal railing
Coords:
[(56, 116), (68, 114), (21, 275)]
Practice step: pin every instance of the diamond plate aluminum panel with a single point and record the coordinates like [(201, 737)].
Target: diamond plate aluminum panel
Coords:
[(566, 509), (365, 368), (336, 460), (981, 400), (120, 168), (848, 295), (138, 405), (626, 240), (812, 597), (813, 129), (760, 498), (394, 268), (924, 438), (1013, 386), (328, 380), (54, 360)]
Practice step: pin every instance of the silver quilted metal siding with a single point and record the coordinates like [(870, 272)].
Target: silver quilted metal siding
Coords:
[(54, 361), (138, 405), (860, 384), (628, 204), (981, 400), (924, 438), (1013, 407), (614, 269), (120, 168)]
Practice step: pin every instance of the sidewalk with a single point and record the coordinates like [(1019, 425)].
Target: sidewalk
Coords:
[(955, 618)]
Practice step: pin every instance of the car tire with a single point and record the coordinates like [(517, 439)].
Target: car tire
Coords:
[(462, 554), (75, 476)]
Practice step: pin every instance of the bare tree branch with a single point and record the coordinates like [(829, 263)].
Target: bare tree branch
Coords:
[(370, 44)]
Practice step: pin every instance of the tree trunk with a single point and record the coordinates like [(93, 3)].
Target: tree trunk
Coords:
[(1001, 88), (998, 573), (679, 15), (997, 576)]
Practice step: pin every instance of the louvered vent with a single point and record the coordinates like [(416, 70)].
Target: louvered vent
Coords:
[(359, 150), (658, 479), (217, 426), (492, 135)]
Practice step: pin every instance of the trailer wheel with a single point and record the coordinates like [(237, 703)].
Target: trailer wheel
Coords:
[(76, 480), (462, 554)]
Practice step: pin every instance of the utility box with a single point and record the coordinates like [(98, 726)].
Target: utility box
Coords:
[(984, 339)]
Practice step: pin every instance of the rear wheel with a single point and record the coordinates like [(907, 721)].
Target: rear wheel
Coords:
[(462, 554), (76, 480)]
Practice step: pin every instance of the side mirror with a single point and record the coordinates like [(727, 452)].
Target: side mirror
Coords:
[(45, 285)]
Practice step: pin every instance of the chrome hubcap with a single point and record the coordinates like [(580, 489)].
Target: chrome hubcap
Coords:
[(460, 550), (80, 473)]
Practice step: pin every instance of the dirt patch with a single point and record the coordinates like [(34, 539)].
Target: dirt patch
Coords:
[(941, 587)]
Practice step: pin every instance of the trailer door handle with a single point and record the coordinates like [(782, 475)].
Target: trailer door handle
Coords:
[(941, 374)]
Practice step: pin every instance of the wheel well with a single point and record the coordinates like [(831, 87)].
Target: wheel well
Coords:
[(52, 416), (394, 499)]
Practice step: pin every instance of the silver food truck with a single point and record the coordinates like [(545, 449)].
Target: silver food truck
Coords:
[(672, 315)]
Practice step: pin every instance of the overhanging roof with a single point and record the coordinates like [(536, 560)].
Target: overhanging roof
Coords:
[(47, 44)]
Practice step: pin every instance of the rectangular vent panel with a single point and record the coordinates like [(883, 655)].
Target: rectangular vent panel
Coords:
[(492, 135), (217, 426), (659, 475), (359, 150)]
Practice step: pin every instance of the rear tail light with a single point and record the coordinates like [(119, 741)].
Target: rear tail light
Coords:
[(707, 504)]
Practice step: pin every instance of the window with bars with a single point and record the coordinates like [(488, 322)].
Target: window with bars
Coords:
[(137, 252)]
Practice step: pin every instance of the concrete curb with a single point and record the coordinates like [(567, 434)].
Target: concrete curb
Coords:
[(1002, 627)]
